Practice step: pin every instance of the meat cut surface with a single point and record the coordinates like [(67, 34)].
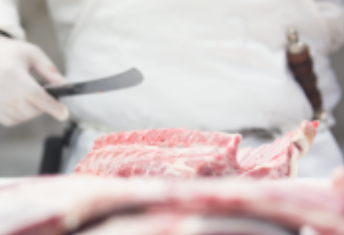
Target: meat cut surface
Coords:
[(169, 138), (279, 159), (126, 161), (180, 153), (228, 206)]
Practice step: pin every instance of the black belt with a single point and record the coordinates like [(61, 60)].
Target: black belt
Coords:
[(257, 132)]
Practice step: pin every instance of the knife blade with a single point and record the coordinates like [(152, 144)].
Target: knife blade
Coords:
[(123, 80)]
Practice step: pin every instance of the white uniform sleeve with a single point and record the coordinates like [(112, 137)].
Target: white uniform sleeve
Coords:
[(9, 19), (333, 13)]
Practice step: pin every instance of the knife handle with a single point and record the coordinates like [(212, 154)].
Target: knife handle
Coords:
[(300, 64), (52, 93), (57, 92), (49, 90)]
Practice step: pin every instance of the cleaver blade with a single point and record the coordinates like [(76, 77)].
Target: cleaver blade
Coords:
[(123, 80)]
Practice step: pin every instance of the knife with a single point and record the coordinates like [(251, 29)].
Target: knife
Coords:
[(123, 80)]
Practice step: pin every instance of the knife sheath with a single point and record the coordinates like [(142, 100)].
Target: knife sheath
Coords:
[(53, 150), (300, 64)]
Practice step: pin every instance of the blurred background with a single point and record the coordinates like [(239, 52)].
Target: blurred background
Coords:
[(21, 146)]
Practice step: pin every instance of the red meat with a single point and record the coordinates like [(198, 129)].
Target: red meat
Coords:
[(77, 204), (179, 153), (168, 138)]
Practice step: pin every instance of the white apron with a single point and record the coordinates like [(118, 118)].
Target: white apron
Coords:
[(211, 65)]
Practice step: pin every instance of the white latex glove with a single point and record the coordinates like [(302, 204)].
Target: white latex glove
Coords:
[(21, 96)]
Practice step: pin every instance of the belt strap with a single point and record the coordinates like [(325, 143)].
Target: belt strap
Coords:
[(258, 132)]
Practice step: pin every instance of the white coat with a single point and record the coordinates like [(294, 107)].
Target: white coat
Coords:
[(213, 65)]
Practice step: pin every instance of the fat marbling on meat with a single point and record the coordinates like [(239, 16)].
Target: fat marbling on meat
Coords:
[(181, 153)]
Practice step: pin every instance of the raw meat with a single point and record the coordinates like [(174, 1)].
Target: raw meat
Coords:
[(338, 181), (168, 138), (80, 204), (179, 153), (279, 159), (125, 161)]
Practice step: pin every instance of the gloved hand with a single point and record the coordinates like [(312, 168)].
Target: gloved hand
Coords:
[(21, 96)]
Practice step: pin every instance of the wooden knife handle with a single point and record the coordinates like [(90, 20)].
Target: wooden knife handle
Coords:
[(301, 66)]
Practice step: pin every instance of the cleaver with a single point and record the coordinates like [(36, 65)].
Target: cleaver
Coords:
[(123, 80)]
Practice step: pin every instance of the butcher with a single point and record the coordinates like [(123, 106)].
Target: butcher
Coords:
[(207, 65)]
